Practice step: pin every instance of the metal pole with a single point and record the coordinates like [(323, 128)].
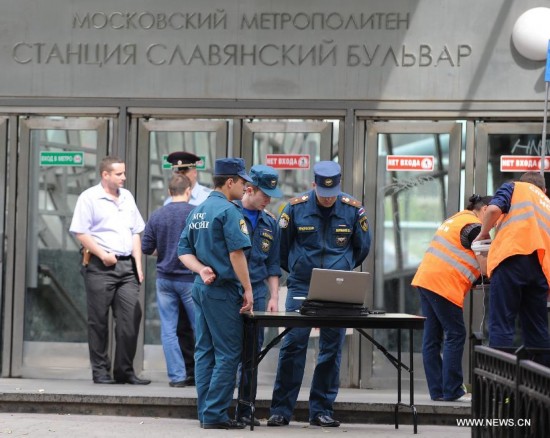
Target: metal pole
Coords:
[(543, 145)]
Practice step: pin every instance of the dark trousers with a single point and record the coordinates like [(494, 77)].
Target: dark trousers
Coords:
[(519, 288), (115, 287), (186, 339)]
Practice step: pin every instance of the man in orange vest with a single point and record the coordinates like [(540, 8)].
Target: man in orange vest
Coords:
[(518, 262), (444, 277)]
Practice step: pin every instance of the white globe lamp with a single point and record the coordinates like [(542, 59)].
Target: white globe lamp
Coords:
[(531, 33)]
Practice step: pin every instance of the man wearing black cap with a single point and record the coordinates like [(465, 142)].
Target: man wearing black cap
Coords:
[(263, 259), (323, 228), (185, 163), (212, 245)]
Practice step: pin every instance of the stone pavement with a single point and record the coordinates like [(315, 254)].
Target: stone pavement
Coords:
[(77, 397), (95, 426)]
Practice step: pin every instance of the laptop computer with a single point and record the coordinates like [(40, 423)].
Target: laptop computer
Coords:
[(338, 286)]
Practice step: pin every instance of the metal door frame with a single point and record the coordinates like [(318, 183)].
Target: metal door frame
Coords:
[(18, 238), (367, 157), (143, 126), (482, 132), (5, 226), (324, 129)]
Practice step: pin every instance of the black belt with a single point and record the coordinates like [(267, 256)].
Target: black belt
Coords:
[(119, 257)]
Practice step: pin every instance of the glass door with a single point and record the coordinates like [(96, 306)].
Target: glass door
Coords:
[(157, 138), (57, 161), (292, 146), (505, 151), (413, 179)]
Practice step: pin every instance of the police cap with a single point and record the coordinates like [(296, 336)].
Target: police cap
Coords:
[(183, 160), (327, 178), (266, 179), (231, 166)]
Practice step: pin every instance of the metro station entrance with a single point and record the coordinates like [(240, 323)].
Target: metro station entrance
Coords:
[(52, 159), (57, 160)]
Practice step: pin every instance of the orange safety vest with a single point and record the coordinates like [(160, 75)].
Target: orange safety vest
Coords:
[(524, 229), (448, 269)]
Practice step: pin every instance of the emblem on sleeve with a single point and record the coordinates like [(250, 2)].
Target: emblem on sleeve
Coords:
[(284, 220), (364, 223), (244, 228), (266, 245)]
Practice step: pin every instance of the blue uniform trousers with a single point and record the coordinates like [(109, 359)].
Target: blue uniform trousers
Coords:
[(219, 337), (518, 286), (259, 294), (292, 358), (442, 345)]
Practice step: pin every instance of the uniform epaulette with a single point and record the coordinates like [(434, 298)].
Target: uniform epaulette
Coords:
[(351, 201), (299, 199), (270, 214)]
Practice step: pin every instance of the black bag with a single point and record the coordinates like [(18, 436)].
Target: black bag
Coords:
[(331, 308)]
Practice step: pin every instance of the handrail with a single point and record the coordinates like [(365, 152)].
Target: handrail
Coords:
[(511, 394)]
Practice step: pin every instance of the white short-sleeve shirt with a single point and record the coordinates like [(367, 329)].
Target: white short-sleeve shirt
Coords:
[(111, 223)]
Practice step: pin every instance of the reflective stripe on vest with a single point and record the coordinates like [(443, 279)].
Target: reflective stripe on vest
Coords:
[(448, 269), (525, 229), (466, 258), (527, 215)]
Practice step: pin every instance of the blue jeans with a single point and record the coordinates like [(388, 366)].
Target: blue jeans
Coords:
[(292, 359), (169, 295), (442, 345)]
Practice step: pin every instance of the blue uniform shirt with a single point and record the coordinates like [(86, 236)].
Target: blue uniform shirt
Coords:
[(503, 197), (212, 231), (309, 240), (263, 257)]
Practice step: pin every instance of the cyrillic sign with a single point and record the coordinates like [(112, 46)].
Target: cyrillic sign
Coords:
[(522, 163), (410, 163), (49, 158), (284, 161)]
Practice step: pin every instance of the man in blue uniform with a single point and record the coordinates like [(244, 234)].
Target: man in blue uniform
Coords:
[(263, 258), (323, 228), (212, 245)]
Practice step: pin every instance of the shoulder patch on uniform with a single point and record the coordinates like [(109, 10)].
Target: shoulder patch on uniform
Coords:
[(270, 214), (350, 201), (244, 228), (284, 220), (299, 199)]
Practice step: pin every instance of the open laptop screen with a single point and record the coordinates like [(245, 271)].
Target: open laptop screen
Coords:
[(338, 286)]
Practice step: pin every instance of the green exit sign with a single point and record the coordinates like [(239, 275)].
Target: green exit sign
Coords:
[(48, 158)]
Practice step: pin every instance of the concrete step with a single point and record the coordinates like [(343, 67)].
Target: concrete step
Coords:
[(159, 400)]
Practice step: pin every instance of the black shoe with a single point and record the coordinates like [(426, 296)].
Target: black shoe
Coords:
[(134, 380), (324, 421), (180, 384), (277, 420), (247, 420), (105, 380), (229, 424), (190, 381)]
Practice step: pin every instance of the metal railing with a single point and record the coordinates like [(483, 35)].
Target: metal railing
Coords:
[(511, 394)]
